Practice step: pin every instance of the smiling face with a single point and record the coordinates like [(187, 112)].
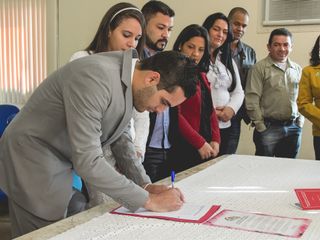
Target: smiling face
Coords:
[(194, 48), (158, 31), (280, 48), (218, 33), (126, 35)]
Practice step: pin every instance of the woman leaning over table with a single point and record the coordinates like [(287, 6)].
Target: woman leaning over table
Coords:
[(121, 28), (223, 75), (199, 134), (309, 95)]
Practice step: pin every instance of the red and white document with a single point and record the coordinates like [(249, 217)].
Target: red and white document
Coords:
[(257, 222), (309, 198), (188, 213)]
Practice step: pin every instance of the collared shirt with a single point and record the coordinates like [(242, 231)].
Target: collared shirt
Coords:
[(160, 132), (272, 92), (159, 137)]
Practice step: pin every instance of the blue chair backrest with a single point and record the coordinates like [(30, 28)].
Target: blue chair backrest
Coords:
[(7, 112)]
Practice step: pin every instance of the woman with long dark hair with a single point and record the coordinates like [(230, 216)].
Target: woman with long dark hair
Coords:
[(223, 75), (199, 134)]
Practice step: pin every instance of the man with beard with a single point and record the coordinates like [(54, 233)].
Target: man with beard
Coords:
[(245, 58), (159, 24)]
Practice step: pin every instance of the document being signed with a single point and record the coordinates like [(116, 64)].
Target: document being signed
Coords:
[(187, 213)]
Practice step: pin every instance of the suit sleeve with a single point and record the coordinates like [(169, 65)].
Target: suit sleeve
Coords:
[(86, 99), (127, 161)]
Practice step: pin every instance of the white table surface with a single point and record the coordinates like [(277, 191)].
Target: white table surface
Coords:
[(238, 182)]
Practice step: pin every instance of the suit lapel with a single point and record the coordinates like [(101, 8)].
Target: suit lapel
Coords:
[(127, 91)]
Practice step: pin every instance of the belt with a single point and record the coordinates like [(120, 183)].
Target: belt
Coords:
[(280, 122)]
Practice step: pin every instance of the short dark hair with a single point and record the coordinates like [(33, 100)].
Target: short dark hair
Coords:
[(234, 10), (111, 21), (279, 31), (315, 53), (190, 31), (175, 70), (151, 8)]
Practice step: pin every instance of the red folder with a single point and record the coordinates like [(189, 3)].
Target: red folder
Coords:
[(309, 198)]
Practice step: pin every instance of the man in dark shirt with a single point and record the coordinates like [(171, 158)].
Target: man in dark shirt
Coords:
[(245, 57)]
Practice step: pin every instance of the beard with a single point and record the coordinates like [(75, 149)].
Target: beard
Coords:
[(142, 97), (155, 45)]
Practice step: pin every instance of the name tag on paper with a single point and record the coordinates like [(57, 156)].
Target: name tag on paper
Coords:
[(309, 198)]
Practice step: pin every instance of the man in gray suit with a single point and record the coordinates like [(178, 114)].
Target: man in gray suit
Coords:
[(81, 106)]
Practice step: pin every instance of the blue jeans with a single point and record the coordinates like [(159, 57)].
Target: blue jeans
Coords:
[(316, 146), (230, 137), (278, 140)]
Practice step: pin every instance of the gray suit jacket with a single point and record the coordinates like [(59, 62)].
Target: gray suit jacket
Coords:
[(82, 105)]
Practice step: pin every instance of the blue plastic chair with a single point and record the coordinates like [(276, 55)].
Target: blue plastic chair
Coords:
[(7, 113)]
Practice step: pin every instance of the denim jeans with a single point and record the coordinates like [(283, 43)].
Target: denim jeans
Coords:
[(278, 140), (316, 146), (230, 137)]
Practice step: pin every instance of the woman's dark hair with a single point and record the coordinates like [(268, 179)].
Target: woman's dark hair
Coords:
[(225, 48), (111, 20), (194, 30), (315, 53)]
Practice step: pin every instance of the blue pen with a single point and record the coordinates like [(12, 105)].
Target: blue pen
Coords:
[(173, 176)]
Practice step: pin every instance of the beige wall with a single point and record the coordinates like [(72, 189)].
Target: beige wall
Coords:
[(78, 20)]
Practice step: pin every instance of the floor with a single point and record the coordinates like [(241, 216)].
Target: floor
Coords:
[(5, 233)]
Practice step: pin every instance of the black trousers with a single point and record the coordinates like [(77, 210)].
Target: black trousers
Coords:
[(156, 163)]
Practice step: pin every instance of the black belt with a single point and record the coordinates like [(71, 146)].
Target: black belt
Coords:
[(280, 122)]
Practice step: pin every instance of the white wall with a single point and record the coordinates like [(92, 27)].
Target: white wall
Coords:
[(79, 19)]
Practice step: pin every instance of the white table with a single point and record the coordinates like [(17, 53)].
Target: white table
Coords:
[(238, 182)]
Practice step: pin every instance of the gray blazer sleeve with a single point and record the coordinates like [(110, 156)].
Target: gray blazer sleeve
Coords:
[(86, 101), (127, 161)]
